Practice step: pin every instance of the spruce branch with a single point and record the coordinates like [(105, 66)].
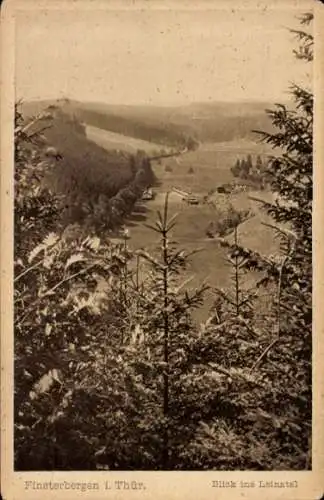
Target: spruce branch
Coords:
[(279, 291), (50, 291)]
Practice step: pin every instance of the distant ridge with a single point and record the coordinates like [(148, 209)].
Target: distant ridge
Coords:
[(168, 125)]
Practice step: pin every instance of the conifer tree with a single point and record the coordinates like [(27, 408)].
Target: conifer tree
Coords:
[(236, 168), (244, 169), (258, 164), (249, 164), (168, 323), (55, 300), (287, 348), (290, 177)]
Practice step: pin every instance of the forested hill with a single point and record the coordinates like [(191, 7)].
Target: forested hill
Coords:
[(170, 125), (86, 175)]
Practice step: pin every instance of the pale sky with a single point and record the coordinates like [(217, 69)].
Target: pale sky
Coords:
[(160, 56)]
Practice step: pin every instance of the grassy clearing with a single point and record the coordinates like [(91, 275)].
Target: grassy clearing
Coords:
[(209, 263), (210, 165), (112, 141)]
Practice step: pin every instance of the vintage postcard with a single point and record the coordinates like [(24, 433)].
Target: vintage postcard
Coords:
[(161, 236)]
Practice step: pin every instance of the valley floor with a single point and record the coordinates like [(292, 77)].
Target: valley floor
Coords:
[(211, 165)]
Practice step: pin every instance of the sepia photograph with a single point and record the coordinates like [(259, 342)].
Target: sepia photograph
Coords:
[(162, 237)]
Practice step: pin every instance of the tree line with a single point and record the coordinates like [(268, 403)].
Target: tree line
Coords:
[(254, 173)]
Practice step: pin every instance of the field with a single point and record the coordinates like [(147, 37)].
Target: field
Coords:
[(209, 263), (211, 165), (114, 141)]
